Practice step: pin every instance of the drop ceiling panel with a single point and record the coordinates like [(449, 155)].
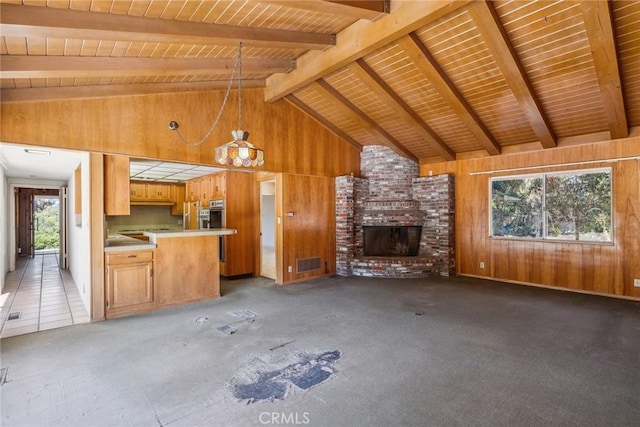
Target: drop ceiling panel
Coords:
[(152, 170)]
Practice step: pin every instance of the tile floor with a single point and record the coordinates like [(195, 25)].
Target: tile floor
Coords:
[(268, 267), (43, 295)]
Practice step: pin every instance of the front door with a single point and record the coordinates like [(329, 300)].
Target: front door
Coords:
[(27, 223), (24, 226)]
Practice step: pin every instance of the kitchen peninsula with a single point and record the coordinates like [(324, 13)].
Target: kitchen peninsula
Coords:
[(174, 267)]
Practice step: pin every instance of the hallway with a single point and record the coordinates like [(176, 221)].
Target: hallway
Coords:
[(39, 296)]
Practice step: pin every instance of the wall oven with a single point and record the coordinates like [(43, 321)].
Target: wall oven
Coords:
[(217, 220), (204, 218)]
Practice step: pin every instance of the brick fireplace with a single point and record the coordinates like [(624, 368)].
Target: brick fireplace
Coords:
[(392, 196)]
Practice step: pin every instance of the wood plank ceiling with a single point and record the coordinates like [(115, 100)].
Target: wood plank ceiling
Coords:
[(434, 80)]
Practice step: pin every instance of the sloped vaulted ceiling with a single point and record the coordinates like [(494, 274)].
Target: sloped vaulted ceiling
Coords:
[(434, 80)]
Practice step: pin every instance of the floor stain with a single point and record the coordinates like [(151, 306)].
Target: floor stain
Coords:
[(272, 379)]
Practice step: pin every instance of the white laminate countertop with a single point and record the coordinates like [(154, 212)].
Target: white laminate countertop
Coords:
[(121, 243), (153, 235)]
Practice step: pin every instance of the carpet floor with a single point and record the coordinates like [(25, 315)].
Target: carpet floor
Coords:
[(338, 352)]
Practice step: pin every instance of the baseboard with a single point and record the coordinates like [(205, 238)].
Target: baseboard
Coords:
[(555, 288)]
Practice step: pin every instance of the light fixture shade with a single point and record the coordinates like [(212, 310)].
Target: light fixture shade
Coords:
[(239, 152)]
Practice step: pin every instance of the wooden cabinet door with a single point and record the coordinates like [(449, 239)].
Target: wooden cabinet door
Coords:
[(129, 283), (138, 191), (116, 185), (205, 190), (217, 184), (158, 192), (177, 197), (193, 190)]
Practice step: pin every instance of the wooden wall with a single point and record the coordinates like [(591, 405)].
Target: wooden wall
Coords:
[(138, 126), (310, 231), (595, 268)]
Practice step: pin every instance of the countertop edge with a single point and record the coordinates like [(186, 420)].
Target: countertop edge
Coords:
[(129, 247), (190, 233)]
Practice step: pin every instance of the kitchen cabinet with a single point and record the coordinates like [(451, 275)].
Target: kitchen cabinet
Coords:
[(178, 198), (137, 191), (240, 214), (158, 191), (116, 185), (130, 283), (155, 192), (205, 190), (218, 186), (193, 190)]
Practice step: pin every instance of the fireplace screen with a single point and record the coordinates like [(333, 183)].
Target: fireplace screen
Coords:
[(392, 241)]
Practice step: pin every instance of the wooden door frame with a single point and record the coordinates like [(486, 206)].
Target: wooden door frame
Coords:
[(32, 190)]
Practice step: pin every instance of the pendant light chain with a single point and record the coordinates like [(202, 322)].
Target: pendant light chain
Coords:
[(240, 85), (236, 66)]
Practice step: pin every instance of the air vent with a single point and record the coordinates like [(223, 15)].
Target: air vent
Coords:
[(308, 264)]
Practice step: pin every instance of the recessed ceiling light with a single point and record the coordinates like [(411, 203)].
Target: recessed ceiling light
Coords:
[(34, 151)]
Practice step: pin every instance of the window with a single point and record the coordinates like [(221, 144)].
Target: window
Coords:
[(560, 205)]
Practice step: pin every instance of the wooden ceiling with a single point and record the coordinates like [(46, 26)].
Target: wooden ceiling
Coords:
[(434, 80)]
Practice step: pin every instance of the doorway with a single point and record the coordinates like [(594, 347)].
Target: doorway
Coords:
[(268, 229), (37, 221)]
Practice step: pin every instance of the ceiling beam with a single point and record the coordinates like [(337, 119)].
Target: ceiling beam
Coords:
[(426, 63), (497, 41), (36, 21), (598, 21), (366, 121), (20, 66), (358, 40), (102, 91), (358, 9), (380, 88), (322, 120)]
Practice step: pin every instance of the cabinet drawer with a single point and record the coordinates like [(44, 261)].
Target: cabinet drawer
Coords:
[(129, 257)]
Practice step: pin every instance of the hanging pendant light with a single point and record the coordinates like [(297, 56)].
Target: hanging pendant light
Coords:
[(239, 152)]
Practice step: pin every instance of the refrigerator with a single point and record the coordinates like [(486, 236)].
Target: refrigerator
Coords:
[(190, 215)]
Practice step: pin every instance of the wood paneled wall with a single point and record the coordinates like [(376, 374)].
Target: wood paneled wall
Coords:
[(308, 224), (138, 126), (596, 268)]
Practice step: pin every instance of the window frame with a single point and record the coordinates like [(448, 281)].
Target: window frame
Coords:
[(543, 176)]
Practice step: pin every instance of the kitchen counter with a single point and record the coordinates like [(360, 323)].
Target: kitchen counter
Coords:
[(187, 265), (154, 235), (122, 243), (184, 267)]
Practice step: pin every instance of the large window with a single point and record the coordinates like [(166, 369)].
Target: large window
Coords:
[(560, 205)]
